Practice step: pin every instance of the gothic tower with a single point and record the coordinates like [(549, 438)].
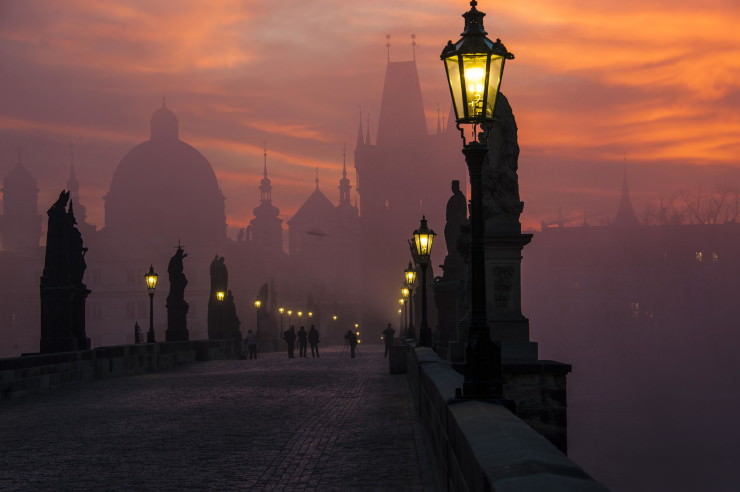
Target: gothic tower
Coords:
[(21, 222), (266, 229), (405, 174)]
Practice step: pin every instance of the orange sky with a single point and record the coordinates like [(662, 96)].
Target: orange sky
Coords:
[(594, 82)]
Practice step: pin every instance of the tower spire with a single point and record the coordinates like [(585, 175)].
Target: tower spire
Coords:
[(367, 139), (344, 186), (265, 184), (413, 46), (317, 178), (388, 47), (360, 136), (626, 216)]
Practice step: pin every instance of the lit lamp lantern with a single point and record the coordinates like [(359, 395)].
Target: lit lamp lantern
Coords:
[(220, 295), (257, 303), (474, 67), (422, 241), (409, 276), (334, 317), (151, 279)]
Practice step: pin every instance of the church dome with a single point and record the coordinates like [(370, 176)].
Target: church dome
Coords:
[(164, 191)]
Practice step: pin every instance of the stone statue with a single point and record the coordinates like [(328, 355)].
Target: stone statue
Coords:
[(456, 216), (63, 292), (500, 180), (177, 307), (219, 275), (178, 281)]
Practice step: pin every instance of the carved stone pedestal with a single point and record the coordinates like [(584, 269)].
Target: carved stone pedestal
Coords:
[(503, 246)]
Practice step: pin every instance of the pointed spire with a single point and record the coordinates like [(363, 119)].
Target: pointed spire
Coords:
[(360, 137), (265, 184), (19, 152), (626, 216), (413, 46), (388, 46), (164, 101), (367, 139), (344, 186), (317, 178), (439, 122)]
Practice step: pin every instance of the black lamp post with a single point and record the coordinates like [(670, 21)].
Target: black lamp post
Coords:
[(151, 283), (257, 305), (474, 67), (409, 276), (422, 241)]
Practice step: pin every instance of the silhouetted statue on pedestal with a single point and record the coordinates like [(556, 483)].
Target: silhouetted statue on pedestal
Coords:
[(63, 293), (177, 307), (222, 320), (448, 289), (501, 203)]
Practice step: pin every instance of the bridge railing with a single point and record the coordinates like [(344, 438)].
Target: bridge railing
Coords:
[(29, 374), (482, 446)]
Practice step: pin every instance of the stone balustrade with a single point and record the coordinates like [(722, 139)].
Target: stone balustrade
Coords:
[(482, 446), (28, 374)]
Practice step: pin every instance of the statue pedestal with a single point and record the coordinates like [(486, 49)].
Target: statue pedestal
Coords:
[(508, 326)]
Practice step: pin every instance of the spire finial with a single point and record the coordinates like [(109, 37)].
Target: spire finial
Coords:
[(19, 151), (344, 160), (164, 101), (413, 46), (317, 177), (388, 46), (265, 156)]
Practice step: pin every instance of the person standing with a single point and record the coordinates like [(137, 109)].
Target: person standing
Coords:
[(289, 337), (251, 341), (388, 338), (302, 342), (352, 342), (313, 340)]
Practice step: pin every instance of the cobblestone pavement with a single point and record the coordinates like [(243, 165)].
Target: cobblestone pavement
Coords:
[(332, 424)]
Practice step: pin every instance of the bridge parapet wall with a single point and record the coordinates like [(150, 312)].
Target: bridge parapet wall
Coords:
[(29, 374), (482, 446)]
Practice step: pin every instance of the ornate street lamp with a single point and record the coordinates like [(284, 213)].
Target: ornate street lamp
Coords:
[(409, 277), (257, 305), (474, 67), (151, 278), (423, 240)]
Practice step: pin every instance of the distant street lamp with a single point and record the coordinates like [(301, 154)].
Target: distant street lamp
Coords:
[(257, 305), (220, 296), (406, 293), (423, 240), (151, 278), (281, 310), (409, 276), (290, 314), (474, 67)]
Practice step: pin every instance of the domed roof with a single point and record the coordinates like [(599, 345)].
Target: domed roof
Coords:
[(165, 188)]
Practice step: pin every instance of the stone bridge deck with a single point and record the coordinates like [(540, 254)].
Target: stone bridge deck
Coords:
[(332, 423)]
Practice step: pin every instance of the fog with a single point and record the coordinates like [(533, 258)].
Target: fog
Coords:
[(307, 177)]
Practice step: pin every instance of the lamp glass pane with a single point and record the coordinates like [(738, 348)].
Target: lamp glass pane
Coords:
[(474, 81), (452, 66), (495, 70)]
